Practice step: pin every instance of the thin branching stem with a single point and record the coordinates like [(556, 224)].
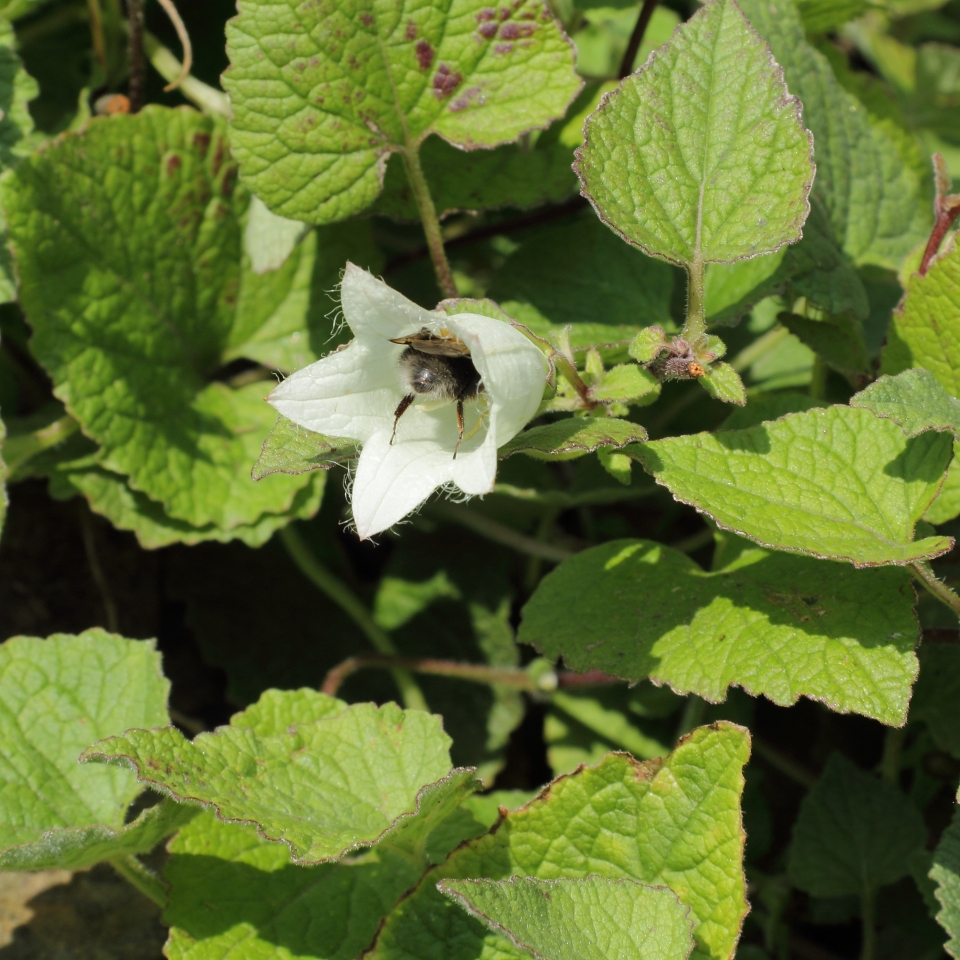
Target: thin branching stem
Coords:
[(892, 753), (184, 38), (207, 98), (636, 38), (352, 606)]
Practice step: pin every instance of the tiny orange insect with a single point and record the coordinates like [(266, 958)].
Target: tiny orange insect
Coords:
[(696, 369)]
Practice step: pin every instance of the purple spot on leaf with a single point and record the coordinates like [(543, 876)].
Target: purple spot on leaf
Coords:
[(424, 54), (445, 81)]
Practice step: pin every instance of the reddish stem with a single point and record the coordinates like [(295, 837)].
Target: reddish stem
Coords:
[(946, 215)]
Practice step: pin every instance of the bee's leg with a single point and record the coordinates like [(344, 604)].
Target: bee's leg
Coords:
[(398, 413), (460, 426)]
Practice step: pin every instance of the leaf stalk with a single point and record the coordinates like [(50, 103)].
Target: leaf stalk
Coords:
[(923, 572), (351, 605), (696, 323), (636, 38), (429, 219)]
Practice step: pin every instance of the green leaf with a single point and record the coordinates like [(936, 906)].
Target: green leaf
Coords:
[(815, 268), (57, 696), (777, 625), (913, 399), (399, 601), (838, 340), (268, 239), (233, 893), (578, 272), (877, 204), (131, 287), (854, 834), (110, 495), (947, 505), (822, 16), (323, 95), (766, 408), (519, 175), (936, 697), (673, 822), (77, 848), (722, 382), (626, 383), (925, 331), (838, 483), (17, 89), (588, 919), (282, 318), (701, 155), (946, 873), (573, 437), (290, 448), (338, 784)]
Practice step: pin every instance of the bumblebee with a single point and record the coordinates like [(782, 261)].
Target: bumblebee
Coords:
[(436, 368)]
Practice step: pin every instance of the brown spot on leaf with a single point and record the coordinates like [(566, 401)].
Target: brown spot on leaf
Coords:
[(503, 48), (445, 81), (487, 30), (486, 14), (411, 30), (465, 99), (201, 143), (366, 19), (173, 165), (514, 31), (425, 55)]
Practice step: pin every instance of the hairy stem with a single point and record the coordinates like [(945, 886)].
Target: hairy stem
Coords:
[(696, 323), (892, 751), (430, 220), (144, 879), (937, 587), (19, 449), (636, 38), (351, 605), (135, 90)]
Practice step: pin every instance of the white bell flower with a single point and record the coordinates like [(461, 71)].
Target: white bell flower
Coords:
[(355, 391)]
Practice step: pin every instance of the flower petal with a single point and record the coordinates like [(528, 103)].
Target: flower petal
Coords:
[(393, 481), (376, 313), (513, 369), (352, 393)]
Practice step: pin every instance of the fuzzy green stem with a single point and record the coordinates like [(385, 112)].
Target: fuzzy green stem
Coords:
[(696, 323), (429, 219), (351, 605), (818, 379), (937, 587), (19, 449), (892, 751), (869, 943), (144, 879)]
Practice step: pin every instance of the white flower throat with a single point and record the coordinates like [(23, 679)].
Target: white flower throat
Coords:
[(436, 368)]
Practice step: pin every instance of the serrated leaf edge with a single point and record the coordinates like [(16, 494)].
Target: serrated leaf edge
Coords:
[(786, 99)]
